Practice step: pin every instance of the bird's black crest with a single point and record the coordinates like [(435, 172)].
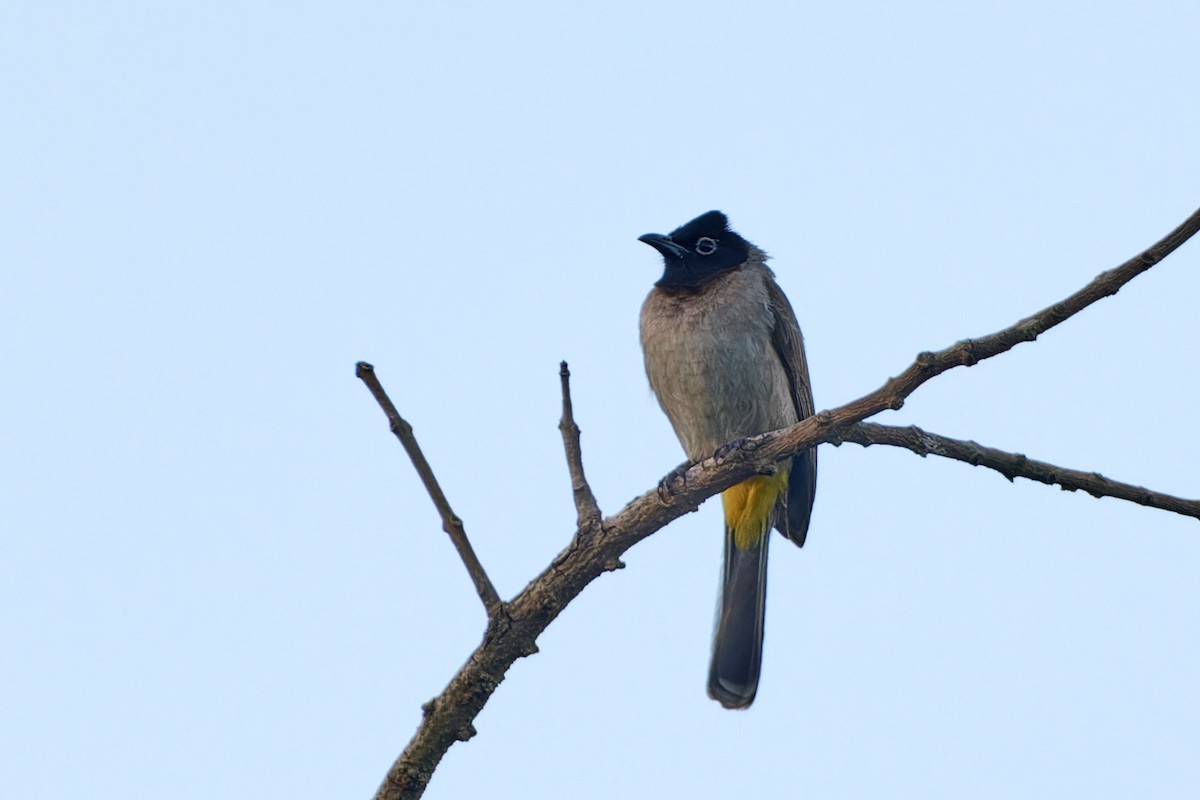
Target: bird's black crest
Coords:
[(713, 224)]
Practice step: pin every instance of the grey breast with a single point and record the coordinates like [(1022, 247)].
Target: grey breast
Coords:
[(711, 363)]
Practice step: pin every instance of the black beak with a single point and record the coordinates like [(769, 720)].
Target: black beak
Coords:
[(663, 244)]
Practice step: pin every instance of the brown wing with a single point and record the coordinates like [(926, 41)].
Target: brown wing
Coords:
[(802, 482)]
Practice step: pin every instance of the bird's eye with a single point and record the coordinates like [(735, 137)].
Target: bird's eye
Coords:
[(706, 246)]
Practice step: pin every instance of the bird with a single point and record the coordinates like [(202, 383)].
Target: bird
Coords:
[(725, 359)]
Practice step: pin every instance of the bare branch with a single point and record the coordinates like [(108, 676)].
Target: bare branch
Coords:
[(1015, 465), (967, 353), (585, 501), (451, 524), (448, 717)]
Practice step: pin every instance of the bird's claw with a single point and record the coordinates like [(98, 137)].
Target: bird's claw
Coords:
[(677, 475), (724, 450)]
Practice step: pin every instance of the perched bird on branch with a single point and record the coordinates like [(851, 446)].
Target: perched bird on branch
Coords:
[(725, 358)]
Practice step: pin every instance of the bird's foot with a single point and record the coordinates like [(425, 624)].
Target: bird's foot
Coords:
[(724, 450), (675, 476)]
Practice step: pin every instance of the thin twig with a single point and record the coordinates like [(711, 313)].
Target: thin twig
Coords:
[(1015, 465), (448, 718), (451, 524), (588, 511)]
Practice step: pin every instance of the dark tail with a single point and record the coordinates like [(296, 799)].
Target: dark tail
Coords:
[(738, 641)]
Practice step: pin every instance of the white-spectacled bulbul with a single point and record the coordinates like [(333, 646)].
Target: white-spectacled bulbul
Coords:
[(725, 358)]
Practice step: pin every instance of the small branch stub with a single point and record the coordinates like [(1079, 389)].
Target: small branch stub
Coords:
[(586, 507)]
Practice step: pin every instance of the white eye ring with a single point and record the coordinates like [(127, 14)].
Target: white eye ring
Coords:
[(706, 246)]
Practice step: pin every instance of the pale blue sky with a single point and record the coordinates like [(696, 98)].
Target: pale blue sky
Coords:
[(221, 577)]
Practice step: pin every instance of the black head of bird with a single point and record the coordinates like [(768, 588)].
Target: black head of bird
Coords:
[(699, 251)]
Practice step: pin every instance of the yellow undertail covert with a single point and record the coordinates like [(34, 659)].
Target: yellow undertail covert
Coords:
[(748, 507)]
